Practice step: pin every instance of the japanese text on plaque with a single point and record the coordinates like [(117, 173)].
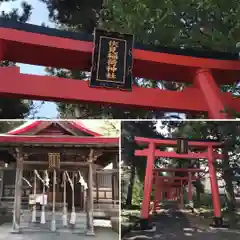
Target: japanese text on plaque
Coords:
[(112, 60), (54, 160)]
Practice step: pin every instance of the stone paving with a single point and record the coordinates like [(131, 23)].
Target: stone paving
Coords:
[(175, 225), (101, 233)]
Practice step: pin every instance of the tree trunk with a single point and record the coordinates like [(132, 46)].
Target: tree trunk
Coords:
[(198, 193), (130, 187), (227, 176)]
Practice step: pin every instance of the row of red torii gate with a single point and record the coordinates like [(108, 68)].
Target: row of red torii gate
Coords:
[(171, 187)]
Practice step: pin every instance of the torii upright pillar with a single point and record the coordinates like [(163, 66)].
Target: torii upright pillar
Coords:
[(211, 93), (148, 186), (190, 194), (218, 221)]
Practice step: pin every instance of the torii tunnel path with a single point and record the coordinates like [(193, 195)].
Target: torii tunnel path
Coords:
[(173, 224)]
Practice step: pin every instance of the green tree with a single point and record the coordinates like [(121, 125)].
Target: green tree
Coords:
[(15, 108), (200, 24), (6, 126)]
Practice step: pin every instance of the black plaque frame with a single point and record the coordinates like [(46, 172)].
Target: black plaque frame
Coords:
[(124, 79)]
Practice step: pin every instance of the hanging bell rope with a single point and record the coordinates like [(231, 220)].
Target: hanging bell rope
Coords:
[(45, 181), (64, 216), (28, 183), (82, 181), (53, 221), (69, 180), (34, 210), (73, 213), (38, 176)]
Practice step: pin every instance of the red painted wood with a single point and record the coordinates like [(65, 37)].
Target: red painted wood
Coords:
[(189, 155), (178, 170), (25, 129), (175, 181), (190, 194), (181, 195), (214, 184), (157, 194), (211, 93), (61, 89), (172, 184), (176, 193), (169, 142), (54, 130), (83, 128), (39, 128), (32, 48), (47, 126), (172, 178), (148, 182), (57, 139)]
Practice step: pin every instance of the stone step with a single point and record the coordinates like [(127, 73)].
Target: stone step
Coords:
[(47, 225), (28, 224), (28, 219)]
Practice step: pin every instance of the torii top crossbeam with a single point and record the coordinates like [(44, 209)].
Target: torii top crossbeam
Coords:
[(26, 43), (171, 142)]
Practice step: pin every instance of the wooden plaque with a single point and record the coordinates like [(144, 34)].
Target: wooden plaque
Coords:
[(54, 160), (112, 60), (182, 146)]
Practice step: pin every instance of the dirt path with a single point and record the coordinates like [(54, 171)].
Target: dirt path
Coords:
[(173, 224)]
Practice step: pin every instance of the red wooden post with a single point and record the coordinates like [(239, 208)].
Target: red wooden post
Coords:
[(172, 193), (181, 194), (163, 191), (177, 189), (211, 93), (2, 51), (161, 194), (176, 193), (158, 195), (148, 182), (156, 192), (167, 193), (214, 188), (190, 187)]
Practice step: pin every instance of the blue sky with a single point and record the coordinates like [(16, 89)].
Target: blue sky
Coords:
[(39, 15)]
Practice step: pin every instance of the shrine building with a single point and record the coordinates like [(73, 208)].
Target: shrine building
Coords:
[(58, 175)]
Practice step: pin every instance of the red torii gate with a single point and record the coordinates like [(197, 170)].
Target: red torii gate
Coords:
[(151, 152), (205, 71), (173, 183)]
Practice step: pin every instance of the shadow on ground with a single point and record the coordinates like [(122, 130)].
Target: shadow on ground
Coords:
[(172, 224)]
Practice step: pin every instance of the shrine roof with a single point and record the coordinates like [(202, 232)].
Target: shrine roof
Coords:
[(58, 140), (34, 127), (56, 133)]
